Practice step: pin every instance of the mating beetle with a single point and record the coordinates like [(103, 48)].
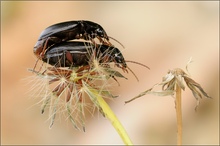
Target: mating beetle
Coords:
[(65, 31), (75, 54)]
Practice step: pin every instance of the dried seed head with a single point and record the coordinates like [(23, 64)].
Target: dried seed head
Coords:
[(67, 90), (169, 81)]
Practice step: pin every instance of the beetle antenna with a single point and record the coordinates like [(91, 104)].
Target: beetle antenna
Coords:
[(137, 63), (117, 41), (133, 73)]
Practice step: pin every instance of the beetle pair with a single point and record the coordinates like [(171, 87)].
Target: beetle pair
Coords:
[(57, 36), (55, 48)]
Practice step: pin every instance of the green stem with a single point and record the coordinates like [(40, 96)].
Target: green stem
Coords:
[(100, 102), (179, 115), (114, 120)]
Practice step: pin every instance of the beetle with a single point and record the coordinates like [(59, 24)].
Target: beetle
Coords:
[(70, 30), (75, 54)]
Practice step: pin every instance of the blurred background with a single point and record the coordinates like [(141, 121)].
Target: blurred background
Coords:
[(161, 35)]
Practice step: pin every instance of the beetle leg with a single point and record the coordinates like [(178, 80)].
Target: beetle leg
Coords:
[(124, 69), (101, 40), (104, 42), (69, 57), (41, 66), (115, 80), (36, 64), (109, 43), (44, 47)]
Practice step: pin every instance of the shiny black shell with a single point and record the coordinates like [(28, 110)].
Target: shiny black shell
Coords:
[(70, 29), (81, 53)]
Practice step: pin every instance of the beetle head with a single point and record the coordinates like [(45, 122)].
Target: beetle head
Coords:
[(114, 55), (101, 32), (118, 58), (94, 29)]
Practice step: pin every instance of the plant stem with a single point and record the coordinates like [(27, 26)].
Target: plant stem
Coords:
[(179, 115), (114, 120), (100, 102)]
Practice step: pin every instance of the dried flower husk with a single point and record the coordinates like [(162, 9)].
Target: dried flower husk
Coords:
[(169, 81)]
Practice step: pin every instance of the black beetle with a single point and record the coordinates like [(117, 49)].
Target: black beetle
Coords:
[(69, 30), (75, 54)]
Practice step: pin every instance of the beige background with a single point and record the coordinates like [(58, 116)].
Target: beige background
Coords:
[(162, 35)]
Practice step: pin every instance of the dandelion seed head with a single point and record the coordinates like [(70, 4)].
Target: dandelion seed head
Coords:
[(70, 89), (63, 92)]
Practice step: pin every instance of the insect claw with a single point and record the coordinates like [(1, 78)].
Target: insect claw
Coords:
[(124, 69), (116, 80)]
